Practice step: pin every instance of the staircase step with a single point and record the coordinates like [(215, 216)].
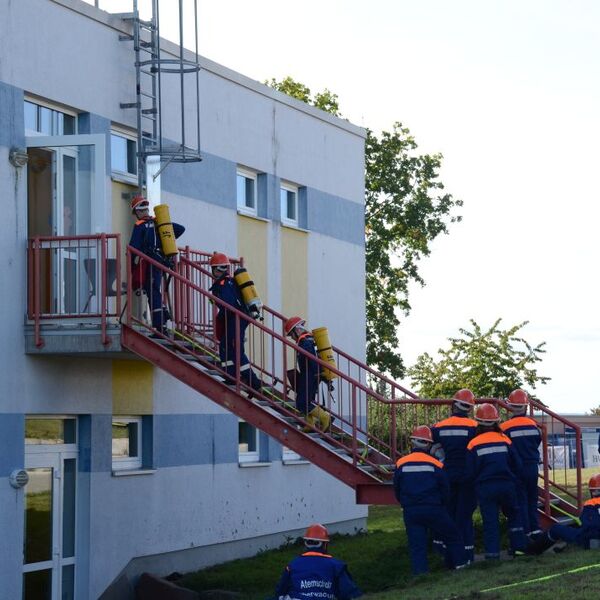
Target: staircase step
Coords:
[(371, 468), (553, 501)]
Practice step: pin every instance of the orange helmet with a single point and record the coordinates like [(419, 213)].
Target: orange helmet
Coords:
[(316, 533), (291, 324), (465, 398), (218, 259), (487, 414), (139, 203), (594, 482), (518, 398), (423, 433)]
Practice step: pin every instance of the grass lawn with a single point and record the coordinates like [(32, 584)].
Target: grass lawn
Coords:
[(378, 561)]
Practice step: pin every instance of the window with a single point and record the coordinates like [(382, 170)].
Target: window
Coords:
[(126, 443), (247, 442), (123, 155), (289, 205), (48, 430), (246, 191), (47, 121)]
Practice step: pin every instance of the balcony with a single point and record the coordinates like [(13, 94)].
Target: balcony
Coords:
[(74, 295)]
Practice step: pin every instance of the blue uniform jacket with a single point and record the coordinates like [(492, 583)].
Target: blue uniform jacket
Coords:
[(315, 575), (419, 480), (525, 435), (226, 289), (590, 519), (491, 457), (454, 434), (145, 238), (309, 369)]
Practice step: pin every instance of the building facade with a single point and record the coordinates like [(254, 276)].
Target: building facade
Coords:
[(128, 468)]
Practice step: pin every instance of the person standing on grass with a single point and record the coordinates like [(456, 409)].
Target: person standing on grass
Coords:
[(495, 468), (525, 435), (453, 434), (422, 488), (315, 574)]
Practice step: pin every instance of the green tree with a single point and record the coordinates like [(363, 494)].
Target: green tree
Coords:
[(405, 210), (325, 100), (490, 362)]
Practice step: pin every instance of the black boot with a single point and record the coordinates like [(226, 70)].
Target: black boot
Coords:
[(540, 544)]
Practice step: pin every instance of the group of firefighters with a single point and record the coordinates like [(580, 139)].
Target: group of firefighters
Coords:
[(453, 466), (229, 329), (460, 463)]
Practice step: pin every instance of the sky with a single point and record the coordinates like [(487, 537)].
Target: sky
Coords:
[(508, 91)]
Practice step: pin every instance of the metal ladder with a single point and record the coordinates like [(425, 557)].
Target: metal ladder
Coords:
[(150, 65)]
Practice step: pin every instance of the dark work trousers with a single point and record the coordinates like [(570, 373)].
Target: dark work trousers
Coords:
[(461, 506), (419, 521), (527, 490), (307, 387), (228, 345), (573, 535), (494, 495), (153, 289)]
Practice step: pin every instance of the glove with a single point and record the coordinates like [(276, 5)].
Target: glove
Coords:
[(438, 452)]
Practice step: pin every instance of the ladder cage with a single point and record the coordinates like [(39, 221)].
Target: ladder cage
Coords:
[(182, 76)]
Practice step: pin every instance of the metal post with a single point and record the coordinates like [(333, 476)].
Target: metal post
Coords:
[(103, 296)]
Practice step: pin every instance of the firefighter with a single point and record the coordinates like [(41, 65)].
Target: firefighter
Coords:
[(421, 487), (148, 278), (587, 536), (230, 341), (306, 383), (316, 574), (525, 435), (495, 467), (453, 434)]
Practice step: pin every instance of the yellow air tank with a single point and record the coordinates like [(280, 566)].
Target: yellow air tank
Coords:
[(248, 290), (319, 418), (165, 230), (325, 351)]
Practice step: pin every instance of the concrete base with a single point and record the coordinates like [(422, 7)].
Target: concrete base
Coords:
[(76, 340), (194, 559)]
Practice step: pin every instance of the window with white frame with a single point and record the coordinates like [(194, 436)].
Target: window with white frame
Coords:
[(246, 191), (247, 442), (123, 155), (44, 120), (126, 443), (289, 204)]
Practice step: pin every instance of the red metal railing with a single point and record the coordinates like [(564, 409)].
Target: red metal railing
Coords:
[(388, 411), (562, 458), (271, 355), (75, 277)]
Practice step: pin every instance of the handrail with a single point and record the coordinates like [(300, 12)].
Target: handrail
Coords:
[(389, 395), (351, 422)]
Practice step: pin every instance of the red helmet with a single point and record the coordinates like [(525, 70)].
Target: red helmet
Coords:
[(316, 533), (139, 203), (487, 414), (594, 483), (291, 324), (218, 259), (465, 397), (423, 433), (518, 398)]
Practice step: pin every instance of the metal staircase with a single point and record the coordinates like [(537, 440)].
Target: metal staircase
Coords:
[(372, 415)]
